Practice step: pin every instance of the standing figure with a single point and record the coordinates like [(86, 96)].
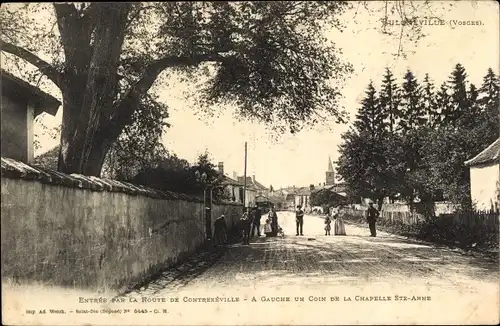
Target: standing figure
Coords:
[(220, 231), (256, 221), (268, 230), (372, 215), (274, 221), (339, 222), (299, 219), (328, 226), (245, 227)]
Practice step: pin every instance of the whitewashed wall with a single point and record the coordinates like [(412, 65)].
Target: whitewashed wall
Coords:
[(484, 186)]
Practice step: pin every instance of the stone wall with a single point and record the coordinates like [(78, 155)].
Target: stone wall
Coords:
[(93, 233)]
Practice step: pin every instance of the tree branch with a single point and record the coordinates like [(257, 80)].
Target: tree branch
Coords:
[(75, 34), (43, 66), (122, 114)]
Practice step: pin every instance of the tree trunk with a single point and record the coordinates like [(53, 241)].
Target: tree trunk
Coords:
[(88, 97), (380, 202)]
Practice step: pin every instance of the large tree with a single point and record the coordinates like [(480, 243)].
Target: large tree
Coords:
[(371, 116), (267, 58), (389, 99)]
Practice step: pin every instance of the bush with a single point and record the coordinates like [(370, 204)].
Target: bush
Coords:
[(442, 231)]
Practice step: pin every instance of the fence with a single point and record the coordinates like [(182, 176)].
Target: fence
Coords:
[(488, 220)]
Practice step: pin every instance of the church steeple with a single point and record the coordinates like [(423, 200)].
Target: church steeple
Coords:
[(330, 165), (330, 173)]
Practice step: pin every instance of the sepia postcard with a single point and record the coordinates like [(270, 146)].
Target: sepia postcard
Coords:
[(250, 163)]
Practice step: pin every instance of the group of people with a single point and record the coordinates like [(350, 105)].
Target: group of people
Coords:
[(250, 224), (336, 214)]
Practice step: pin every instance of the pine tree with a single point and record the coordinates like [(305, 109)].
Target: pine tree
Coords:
[(430, 102), (389, 99), (489, 105), (412, 113), (489, 91), (460, 104), (443, 106), (370, 117)]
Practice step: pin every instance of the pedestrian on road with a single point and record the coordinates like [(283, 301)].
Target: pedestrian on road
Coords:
[(256, 221), (220, 231), (245, 226), (339, 225), (299, 219), (274, 221), (268, 230), (372, 215), (328, 226)]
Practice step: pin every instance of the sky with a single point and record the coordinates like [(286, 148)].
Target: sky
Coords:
[(302, 159)]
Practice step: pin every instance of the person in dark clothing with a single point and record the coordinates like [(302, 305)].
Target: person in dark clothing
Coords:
[(274, 221), (245, 225), (299, 219), (256, 221), (372, 215), (220, 231)]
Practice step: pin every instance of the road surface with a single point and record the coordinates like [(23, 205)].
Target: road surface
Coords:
[(342, 279)]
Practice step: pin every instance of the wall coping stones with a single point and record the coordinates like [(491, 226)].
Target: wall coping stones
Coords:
[(13, 169)]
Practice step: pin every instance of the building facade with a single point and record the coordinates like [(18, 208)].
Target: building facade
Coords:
[(485, 178), (21, 104)]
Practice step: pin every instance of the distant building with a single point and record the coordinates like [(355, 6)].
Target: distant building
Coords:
[(21, 104), (485, 178), (333, 182), (236, 190), (330, 173), (254, 188), (294, 196), (303, 198), (253, 183)]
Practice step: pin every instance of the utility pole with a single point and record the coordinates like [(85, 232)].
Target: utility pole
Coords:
[(245, 179)]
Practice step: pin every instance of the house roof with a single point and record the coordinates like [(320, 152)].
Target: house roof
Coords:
[(490, 155), (251, 183), (272, 199), (41, 101), (332, 191), (229, 181), (303, 191)]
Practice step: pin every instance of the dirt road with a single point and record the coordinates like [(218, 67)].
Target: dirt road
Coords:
[(387, 279)]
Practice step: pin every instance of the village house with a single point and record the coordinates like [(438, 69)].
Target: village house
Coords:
[(260, 189), (302, 198), (485, 178), (234, 189), (21, 104), (254, 189)]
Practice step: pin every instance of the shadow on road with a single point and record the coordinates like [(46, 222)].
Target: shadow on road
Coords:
[(354, 258)]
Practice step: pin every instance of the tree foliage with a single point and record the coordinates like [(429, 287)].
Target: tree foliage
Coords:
[(175, 174), (267, 58), (437, 132)]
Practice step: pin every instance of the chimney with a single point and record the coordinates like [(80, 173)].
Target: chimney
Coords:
[(311, 187), (221, 168), (253, 178), (235, 175)]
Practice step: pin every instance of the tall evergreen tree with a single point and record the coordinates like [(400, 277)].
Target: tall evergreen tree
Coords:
[(489, 104), (443, 104), (430, 102), (389, 101), (370, 117), (460, 104), (412, 113)]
